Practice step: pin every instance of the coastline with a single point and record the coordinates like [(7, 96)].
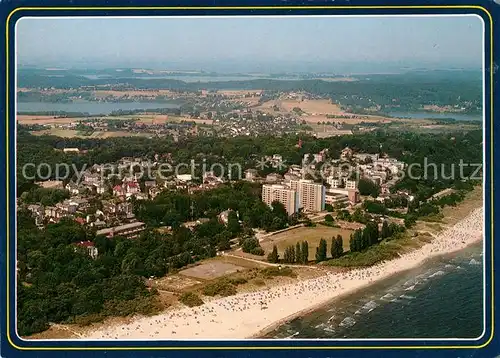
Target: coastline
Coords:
[(275, 325), (253, 314)]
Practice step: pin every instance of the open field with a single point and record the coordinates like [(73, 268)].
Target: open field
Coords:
[(313, 107), (310, 234), (69, 133), (128, 92), (174, 283), (146, 118), (33, 119), (211, 270), (238, 93)]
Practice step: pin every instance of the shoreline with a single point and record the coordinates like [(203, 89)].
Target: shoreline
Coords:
[(253, 314), (275, 325)]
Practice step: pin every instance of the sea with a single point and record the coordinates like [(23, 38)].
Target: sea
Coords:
[(441, 299)]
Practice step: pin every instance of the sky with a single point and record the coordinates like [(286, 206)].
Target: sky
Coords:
[(252, 44)]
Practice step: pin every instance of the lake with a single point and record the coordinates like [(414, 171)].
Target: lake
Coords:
[(436, 115), (93, 108)]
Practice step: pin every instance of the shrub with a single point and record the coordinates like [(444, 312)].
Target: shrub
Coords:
[(252, 246), (278, 271), (259, 282), (257, 251), (221, 287), (237, 280), (191, 299)]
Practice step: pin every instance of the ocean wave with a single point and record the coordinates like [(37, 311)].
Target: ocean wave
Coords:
[(370, 305), (347, 322), (329, 329), (437, 273), (411, 288), (407, 297), (474, 262), (387, 297)]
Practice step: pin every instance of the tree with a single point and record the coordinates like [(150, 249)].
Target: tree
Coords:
[(305, 252), (321, 251), (329, 218), (223, 241), (344, 215), (368, 187), (298, 253), (279, 210), (358, 216), (356, 241), (385, 232), (333, 248), (289, 255), (250, 244), (336, 249), (233, 224), (410, 220), (340, 245), (372, 233), (273, 257)]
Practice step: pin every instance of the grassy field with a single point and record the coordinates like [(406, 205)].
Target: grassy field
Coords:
[(310, 234)]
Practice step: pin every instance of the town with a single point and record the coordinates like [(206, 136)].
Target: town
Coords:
[(103, 198)]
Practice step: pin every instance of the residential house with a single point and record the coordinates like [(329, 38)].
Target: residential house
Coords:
[(131, 188), (100, 188), (274, 178), (73, 188), (118, 190), (91, 178), (184, 177), (130, 230), (346, 153), (224, 216), (251, 174), (82, 204), (89, 247)]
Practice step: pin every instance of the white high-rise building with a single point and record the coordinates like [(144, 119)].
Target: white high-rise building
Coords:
[(283, 194), (311, 195)]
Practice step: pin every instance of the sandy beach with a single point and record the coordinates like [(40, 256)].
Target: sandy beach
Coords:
[(247, 315)]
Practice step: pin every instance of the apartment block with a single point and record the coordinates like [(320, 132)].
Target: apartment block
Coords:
[(283, 194), (311, 195)]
